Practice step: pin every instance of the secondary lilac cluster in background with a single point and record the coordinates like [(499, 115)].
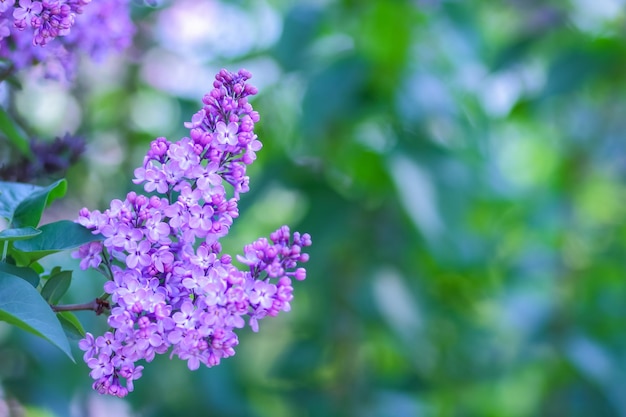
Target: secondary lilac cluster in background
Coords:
[(172, 290), (65, 28)]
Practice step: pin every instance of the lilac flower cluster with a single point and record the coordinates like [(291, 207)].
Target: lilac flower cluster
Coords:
[(47, 19), (171, 288), (29, 27)]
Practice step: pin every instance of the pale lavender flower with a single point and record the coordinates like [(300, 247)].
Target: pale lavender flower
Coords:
[(226, 134), (90, 255), (100, 366), (27, 11), (262, 294), (88, 344), (107, 343), (138, 254)]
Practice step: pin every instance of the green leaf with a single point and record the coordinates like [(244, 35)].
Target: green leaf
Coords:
[(12, 133), (23, 204), (344, 81), (299, 28), (56, 287), (388, 49), (11, 195), (54, 237), (29, 211), (22, 306), (27, 274), (19, 234), (55, 270), (71, 325)]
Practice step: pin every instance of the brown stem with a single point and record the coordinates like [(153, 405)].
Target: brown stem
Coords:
[(98, 305)]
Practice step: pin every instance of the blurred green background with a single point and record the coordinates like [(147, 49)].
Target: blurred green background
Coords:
[(460, 166)]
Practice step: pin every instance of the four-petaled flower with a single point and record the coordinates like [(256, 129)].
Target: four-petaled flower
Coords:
[(27, 10), (226, 134)]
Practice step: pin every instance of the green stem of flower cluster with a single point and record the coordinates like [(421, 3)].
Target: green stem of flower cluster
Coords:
[(107, 263)]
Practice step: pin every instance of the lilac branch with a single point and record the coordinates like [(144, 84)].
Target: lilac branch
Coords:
[(98, 305)]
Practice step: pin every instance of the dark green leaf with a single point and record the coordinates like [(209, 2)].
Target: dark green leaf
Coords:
[(54, 237), (515, 51), (25, 273), (19, 234), (23, 204), (298, 33), (583, 63), (54, 271), (11, 195), (29, 211), (56, 287), (22, 306), (344, 82), (71, 325)]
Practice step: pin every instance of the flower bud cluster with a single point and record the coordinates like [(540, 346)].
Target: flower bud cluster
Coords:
[(47, 18), (171, 288)]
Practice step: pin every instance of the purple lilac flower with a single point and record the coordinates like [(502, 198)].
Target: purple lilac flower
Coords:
[(53, 32), (172, 290)]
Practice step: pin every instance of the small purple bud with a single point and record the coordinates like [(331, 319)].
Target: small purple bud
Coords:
[(300, 274)]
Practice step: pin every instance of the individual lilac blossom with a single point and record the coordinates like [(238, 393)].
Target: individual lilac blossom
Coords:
[(27, 10), (207, 179), (100, 365), (200, 218), (226, 134), (107, 343), (162, 259), (123, 237), (138, 254), (90, 255), (88, 344), (262, 294), (171, 288), (131, 374), (155, 180), (196, 120)]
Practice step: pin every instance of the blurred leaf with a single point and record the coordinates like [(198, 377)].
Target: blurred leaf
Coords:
[(23, 272), (387, 49), (514, 52), (299, 29), (8, 127), (56, 286), (22, 306), (575, 66), (333, 95), (54, 237), (358, 172)]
